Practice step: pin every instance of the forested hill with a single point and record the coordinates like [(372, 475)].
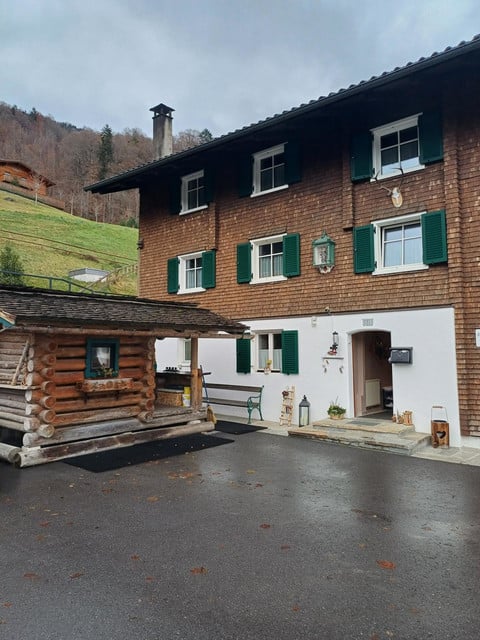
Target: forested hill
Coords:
[(73, 157)]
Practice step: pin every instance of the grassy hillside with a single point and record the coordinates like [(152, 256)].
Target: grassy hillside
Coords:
[(52, 243)]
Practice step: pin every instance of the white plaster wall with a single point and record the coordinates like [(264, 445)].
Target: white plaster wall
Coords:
[(430, 380)]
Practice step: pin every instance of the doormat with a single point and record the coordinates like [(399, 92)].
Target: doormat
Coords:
[(141, 453), (236, 428), (364, 423)]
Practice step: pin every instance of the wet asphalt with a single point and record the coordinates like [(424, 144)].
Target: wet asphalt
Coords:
[(245, 537)]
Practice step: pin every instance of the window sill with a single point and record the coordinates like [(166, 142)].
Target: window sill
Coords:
[(184, 213), (181, 292), (255, 194), (388, 271), (268, 280)]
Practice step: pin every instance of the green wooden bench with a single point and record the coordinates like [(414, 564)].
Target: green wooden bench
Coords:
[(251, 402)]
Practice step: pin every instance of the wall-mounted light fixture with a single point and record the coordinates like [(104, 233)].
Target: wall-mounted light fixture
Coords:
[(334, 347), (140, 243), (323, 253)]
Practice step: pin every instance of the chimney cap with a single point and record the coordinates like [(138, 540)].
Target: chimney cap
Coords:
[(162, 110)]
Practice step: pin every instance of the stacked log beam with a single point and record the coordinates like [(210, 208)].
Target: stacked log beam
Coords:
[(40, 395)]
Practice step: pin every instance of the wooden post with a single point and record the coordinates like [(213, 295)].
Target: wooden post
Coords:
[(195, 376)]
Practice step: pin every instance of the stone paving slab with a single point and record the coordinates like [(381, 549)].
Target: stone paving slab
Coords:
[(456, 455)]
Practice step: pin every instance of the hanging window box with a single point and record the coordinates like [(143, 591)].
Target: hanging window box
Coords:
[(100, 385)]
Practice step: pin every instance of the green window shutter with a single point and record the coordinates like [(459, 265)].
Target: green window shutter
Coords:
[(175, 196), (208, 269), (208, 180), (430, 136), (363, 249), (172, 275), (243, 355), (245, 176), (244, 262), (289, 352), (293, 167), (361, 163), (291, 255), (434, 237)]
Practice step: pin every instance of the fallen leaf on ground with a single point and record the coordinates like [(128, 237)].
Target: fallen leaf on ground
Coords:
[(7, 604), (284, 547), (265, 526), (31, 576), (385, 564), (295, 607), (135, 557), (198, 570), (251, 471), (78, 574), (153, 499)]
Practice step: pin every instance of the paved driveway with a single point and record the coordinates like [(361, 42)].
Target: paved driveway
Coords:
[(258, 537)]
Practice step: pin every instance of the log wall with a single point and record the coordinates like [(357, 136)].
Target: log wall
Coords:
[(43, 386)]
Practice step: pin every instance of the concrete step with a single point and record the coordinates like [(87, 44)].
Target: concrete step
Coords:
[(365, 433)]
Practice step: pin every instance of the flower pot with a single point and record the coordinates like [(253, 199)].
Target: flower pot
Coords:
[(337, 416)]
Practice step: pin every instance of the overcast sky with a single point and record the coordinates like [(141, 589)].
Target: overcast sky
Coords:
[(221, 64)]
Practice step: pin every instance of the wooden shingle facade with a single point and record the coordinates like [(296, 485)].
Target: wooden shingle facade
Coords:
[(385, 175)]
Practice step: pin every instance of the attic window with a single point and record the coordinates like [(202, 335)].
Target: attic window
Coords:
[(102, 358)]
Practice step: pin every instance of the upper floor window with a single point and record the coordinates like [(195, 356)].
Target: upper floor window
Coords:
[(408, 144), (399, 244), (396, 147), (192, 272), (269, 259), (406, 243), (193, 192), (269, 170)]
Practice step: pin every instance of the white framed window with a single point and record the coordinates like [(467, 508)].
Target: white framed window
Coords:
[(269, 170), (268, 350), (184, 353), (398, 244), (190, 273), (267, 259), (396, 147), (193, 192)]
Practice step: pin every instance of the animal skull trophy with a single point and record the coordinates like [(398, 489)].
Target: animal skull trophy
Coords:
[(395, 194)]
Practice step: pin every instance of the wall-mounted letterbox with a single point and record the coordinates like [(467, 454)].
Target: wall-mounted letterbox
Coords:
[(401, 355)]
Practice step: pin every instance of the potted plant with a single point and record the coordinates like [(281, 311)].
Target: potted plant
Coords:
[(336, 411)]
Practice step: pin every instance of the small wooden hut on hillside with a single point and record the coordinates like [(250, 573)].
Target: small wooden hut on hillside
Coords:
[(77, 372)]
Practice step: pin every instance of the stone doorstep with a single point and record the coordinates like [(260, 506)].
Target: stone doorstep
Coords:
[(366, 424), (395, 438)]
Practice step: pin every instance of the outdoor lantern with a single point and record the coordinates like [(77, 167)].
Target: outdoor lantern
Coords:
[(324, 253), (304, 412), (334, 347)]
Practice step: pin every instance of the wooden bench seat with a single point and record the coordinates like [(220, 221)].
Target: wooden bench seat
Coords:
[(251, 402)]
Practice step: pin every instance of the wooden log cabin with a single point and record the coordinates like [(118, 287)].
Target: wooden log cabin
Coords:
[(77, 372)]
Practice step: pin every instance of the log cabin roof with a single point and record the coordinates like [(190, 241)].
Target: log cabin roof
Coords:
[(26, 307)]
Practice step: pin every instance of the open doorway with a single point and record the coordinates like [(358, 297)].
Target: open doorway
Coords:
[(372, 373)]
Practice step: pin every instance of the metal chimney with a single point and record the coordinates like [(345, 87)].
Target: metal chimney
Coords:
[(162, 131)]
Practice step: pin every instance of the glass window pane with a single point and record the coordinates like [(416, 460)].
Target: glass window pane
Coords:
[(389, 140), (279, 176), (277, 359), (266, 180), (392, 254), (266, 163), (264, 265), (409, 150), (413, 251), (187, 344), (102, 357), (390, 157), (394, 233), (408, 134), (412, 231), (277, 340), (265, 249), (277, 265)]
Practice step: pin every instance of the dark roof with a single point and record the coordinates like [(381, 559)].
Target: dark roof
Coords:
[(22, 307), (134, 177)]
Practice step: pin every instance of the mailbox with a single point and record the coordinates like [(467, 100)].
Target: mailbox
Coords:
[(401, 355)]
